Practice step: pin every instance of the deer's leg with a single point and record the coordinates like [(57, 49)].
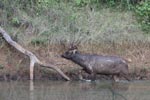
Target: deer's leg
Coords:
[(126, 77), (115, 78), (93, 76), (80, 75)]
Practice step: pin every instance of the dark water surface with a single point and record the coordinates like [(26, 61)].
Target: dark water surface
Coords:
[(60, 90)]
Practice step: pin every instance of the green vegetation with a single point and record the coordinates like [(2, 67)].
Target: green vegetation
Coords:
[(92, 21), (115, 27), (143, 14)]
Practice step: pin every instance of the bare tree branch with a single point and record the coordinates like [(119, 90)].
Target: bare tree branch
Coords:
[(33, 58)]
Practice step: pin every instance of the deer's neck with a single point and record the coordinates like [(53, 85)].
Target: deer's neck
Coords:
[(79, 59)]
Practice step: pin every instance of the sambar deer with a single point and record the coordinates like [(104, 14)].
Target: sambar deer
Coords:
[(98, 64)]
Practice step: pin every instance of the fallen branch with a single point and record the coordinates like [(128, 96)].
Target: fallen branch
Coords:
[(33, 58)]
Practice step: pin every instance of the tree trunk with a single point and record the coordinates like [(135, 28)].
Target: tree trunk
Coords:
[(33, 58)]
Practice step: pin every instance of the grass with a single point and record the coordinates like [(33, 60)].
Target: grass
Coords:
[(65, 23), (101, 31)]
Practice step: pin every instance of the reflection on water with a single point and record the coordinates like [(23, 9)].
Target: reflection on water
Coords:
[(59, 90)]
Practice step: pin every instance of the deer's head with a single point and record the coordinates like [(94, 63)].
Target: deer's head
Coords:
[(73, 50)]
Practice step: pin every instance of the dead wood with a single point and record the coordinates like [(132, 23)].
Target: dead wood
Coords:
[(33, 59)]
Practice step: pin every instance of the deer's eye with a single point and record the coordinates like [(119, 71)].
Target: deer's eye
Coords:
[(70, 52)]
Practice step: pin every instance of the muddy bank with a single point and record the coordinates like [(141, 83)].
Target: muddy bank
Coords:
[(15, 66), (44, 74)]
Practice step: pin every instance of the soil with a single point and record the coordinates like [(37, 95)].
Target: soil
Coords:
[(15, 66)]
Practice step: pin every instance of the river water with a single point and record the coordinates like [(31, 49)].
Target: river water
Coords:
[(61, 90)]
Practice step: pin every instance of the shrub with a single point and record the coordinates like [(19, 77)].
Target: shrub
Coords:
[(123, 4), (143, 14)]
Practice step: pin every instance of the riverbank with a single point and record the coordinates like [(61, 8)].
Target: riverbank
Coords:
[(48, 28), (15, 66)]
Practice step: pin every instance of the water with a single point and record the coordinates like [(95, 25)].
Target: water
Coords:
[(60, 90)]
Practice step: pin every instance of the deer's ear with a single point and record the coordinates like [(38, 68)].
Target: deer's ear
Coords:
[(74, 51)]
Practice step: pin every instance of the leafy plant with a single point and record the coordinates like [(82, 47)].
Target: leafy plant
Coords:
[(81, 2), (85, 2), (45, 3), (143, 14), (1, 66), (15, 21), (39, 41)]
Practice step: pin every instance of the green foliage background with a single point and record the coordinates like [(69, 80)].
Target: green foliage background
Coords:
[(143, 15), (98, 21), (37, 7)]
